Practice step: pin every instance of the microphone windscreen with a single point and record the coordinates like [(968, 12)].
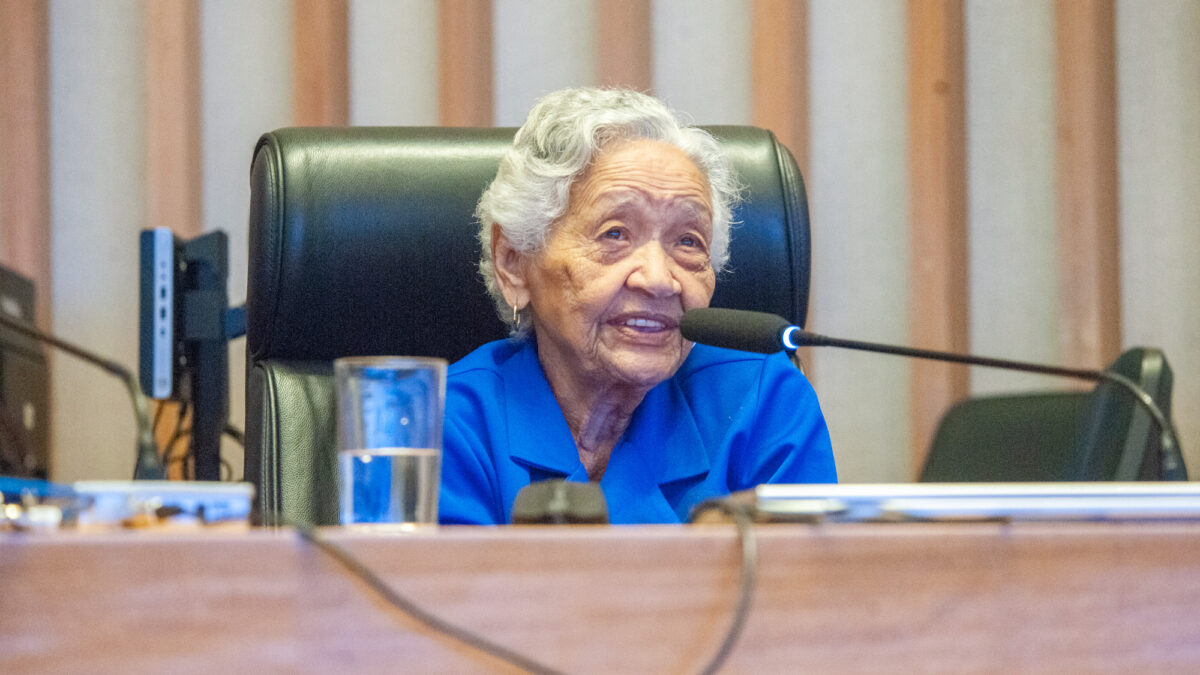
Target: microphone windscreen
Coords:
[(735, 329)]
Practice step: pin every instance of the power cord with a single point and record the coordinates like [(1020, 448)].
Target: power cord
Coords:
[(414, 611), (185, 459), (742, 515)]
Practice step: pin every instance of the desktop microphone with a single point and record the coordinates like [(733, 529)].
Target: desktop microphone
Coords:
[(560, 502), (768, 333), (149, 466)]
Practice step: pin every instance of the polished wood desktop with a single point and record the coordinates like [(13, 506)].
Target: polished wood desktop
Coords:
[(950, 597)]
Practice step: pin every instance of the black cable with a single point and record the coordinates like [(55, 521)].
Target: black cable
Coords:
[(169, 457), (411, 609), (743, 517), (180, 432), (179, 418), (158, 412), (236, 434)]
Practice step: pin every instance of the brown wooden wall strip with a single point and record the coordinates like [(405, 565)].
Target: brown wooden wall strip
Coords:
[(174, 166), (25, 146), (465, 63), (779, 90), (174, 161), (320, 63), (779, 77), (1086, 154), (938, 210), (624, 44)]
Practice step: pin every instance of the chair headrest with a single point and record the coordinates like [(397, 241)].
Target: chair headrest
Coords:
[(363, 240)]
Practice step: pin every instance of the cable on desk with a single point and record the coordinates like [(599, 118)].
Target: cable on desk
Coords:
[(410, 608), (742, 515)]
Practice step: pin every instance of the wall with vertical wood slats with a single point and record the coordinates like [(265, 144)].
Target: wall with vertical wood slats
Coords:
[(1014, 179)]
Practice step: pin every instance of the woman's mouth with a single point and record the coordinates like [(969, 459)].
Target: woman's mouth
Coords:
[(646, 324)]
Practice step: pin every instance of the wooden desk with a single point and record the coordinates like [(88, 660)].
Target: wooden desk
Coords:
[(865, 598)]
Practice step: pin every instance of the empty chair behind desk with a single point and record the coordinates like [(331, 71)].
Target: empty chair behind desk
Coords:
[(1097, 435)]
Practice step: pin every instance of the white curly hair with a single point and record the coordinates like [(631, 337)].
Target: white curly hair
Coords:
[(559, 140)]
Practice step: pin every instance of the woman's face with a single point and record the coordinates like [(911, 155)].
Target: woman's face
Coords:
[(621, 266)]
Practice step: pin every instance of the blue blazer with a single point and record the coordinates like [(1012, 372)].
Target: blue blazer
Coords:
[(726, 421)]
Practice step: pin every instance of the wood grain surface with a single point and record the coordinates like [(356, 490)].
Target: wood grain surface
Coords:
[(981, 597)]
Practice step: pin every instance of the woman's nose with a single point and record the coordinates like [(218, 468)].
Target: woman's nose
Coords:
[(654, 273)]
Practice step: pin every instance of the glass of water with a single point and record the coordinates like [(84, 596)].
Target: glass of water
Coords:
[(389, 429)]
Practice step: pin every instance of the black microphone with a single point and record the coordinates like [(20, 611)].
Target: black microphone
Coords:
[(769, 333), (149, 466), (560, 502)]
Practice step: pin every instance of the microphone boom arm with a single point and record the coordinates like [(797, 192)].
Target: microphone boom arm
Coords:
[(149, 465), (1172, 464)]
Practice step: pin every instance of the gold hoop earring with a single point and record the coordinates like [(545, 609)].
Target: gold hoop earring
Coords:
[(516, 317)]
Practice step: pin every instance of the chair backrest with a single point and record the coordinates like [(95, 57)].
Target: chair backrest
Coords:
[(362, 241), (1007, 438), (1119, 439), (1101, 435)]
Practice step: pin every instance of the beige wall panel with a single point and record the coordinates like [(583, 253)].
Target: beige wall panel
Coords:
[(97, 170), (540, 46), (247, 90), (858, 184), (1158, 57), (702, 59), (393, 63), (1011, 189), (858, 179)]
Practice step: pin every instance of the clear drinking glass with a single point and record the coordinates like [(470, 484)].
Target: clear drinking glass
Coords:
[(389, 430)]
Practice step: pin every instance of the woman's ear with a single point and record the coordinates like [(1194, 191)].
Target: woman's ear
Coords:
[(510, 269)]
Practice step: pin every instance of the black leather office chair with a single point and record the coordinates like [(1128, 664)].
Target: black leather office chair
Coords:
[(362, 241), (1057, 436)]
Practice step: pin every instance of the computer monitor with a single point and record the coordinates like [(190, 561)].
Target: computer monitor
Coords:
[(183, 351)]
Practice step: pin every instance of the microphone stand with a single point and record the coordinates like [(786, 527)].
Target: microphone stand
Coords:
[(149, 465), (1172, 460)]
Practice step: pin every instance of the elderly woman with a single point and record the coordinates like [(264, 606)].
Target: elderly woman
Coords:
[(607, 220)]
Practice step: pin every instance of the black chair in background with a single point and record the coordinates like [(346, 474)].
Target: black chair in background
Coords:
[(1101, 435), (362, 241)]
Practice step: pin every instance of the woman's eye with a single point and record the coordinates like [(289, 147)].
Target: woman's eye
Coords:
[(615, 233), (691, 241)]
